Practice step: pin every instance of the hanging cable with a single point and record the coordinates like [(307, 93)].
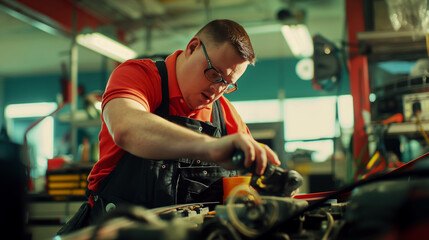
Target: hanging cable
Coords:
[(330, 226), (235, 221), (422, 131)]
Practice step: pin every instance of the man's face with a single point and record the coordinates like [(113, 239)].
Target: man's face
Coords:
[(199, 92)]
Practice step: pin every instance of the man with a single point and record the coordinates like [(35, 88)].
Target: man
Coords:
[(169, 140)]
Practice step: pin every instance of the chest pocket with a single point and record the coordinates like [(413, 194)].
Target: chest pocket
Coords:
[(201, 183)]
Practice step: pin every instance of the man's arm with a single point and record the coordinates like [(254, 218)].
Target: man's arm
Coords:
[(149, 136)]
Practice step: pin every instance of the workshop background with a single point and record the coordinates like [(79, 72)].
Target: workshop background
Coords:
[(322, 106)]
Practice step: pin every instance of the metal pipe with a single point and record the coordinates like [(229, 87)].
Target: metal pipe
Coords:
[(74, 84)]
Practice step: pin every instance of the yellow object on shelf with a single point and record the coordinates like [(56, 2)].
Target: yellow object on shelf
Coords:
[(52, 185), (67, 181), (65, 192), (63, 177)]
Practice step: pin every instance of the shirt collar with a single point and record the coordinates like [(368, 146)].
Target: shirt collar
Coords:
[(173, 86)]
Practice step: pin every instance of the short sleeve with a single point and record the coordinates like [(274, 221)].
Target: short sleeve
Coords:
[(137, 80)]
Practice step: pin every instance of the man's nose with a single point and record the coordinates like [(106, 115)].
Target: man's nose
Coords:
[(218, 87)]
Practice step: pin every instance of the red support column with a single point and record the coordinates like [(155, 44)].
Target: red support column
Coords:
[(359, 78)]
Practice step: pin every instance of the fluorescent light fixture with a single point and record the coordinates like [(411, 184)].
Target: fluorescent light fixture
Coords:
[(30, 109), (106, 46), (299, 40)]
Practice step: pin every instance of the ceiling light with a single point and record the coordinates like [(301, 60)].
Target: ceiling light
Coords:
[(299, 40), (106, 46)]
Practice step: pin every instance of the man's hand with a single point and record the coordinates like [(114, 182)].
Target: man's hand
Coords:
[(220, 151), (149, 136)]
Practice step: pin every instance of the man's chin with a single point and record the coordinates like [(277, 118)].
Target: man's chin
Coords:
[(199, 107)]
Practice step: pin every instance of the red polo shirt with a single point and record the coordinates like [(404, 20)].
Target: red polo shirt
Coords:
[(139, 80)]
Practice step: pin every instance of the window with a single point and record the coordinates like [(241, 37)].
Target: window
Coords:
[(259, 111), (309, 123), (40, 139), (309, 118)]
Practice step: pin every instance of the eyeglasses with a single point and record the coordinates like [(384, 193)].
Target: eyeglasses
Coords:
[(214, 76)]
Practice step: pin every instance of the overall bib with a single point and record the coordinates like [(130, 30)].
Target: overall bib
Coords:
[(156, 183)]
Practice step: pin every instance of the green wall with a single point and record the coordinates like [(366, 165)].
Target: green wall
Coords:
[(263, 81), (259, 82)]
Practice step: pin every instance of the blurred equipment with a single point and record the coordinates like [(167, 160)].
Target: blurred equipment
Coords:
[(386, 209), (132, 222), (13, 183), (412, 103), (252, 214), (327, 66), (399, 96), (408, 15), (382, 206)]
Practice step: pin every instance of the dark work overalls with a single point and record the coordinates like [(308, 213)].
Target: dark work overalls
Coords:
[(156, 183)]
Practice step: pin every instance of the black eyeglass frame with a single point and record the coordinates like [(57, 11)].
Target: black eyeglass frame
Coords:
[(230, 87)]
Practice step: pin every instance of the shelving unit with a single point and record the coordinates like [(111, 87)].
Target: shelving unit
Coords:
[(82, 121), (371, 41), (390, 45), (406, 128)]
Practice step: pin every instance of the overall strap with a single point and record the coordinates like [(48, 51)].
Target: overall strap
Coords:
[(218, 119), (163, 109)]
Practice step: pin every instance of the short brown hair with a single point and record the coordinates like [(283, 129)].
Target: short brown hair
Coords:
[(223, 30)]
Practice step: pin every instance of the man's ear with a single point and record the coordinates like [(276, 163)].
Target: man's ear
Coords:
[(192, 45)]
